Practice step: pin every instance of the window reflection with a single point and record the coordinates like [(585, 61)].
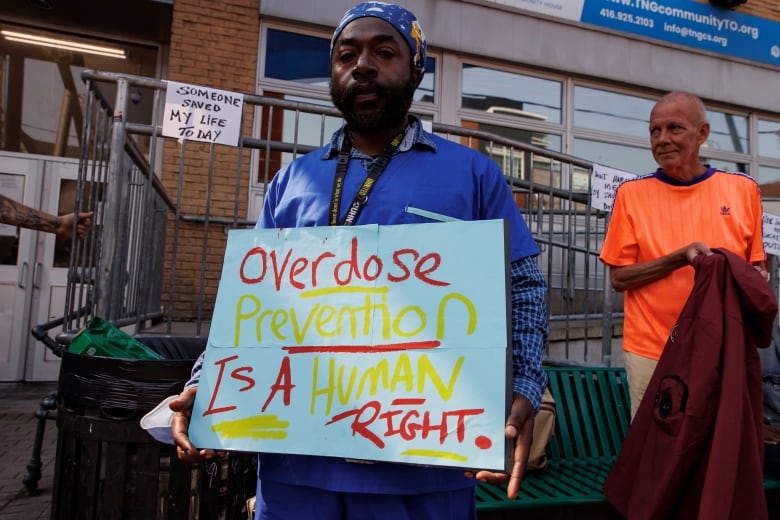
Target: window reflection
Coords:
[(303, 131), (630, 159), (514, 162), (769, 138), (612, 112), (728, 132), (520, 164), (425, 91), (769, 179), (508, 93), (730, 166), (297, 57)]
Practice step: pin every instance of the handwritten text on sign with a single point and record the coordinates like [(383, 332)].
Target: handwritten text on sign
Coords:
[(771, 234), (604, 183), (369, 342), (202, 114)]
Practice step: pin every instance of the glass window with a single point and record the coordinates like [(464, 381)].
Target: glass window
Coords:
[(630, 159), (769, 179), (731, 166), (521, 164), (41, 90), (507, 93), (769, 138), (299, 57), (513, 162), (305, 131), (728, 132), (425, 90), (612, 112)]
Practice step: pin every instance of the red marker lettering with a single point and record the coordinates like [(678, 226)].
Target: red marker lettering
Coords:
[(283, 383), (211, 410)]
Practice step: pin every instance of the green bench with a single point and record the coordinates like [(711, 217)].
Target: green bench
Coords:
[(593, 413), (592, 416)]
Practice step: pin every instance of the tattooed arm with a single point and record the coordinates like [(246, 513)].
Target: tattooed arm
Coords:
[(16, 214)]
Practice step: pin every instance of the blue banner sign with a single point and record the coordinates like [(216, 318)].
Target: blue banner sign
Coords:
[(682, 22)]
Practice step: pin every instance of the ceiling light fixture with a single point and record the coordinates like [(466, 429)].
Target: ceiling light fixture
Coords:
[(68, 45)]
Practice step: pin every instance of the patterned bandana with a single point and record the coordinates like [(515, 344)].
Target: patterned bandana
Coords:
[(404, 21)]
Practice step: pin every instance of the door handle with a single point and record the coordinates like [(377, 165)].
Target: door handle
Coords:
[(22, 276), (37, 275)]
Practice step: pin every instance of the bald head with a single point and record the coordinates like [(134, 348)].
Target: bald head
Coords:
[(678, 128), (695, 106)]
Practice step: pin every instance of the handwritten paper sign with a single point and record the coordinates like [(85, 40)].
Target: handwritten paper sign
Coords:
[(202, 114), (771, 234), (603, 184), (386, 343)]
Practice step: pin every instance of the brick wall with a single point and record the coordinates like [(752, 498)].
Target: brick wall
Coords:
[(762, 8), (213, 44)]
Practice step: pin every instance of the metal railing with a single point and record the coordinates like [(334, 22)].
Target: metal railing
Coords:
[(163, 206)]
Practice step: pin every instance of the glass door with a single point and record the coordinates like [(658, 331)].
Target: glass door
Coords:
[(20, 179), (50, 271)]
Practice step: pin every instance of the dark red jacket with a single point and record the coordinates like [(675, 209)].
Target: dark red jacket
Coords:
[(695, 446)]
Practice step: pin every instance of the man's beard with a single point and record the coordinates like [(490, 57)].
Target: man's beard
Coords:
[(390, 116)]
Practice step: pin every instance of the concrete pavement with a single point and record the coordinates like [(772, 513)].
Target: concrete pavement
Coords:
[(18, 402)]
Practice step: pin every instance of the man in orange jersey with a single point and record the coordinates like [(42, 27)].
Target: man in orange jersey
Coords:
[(661, 221)]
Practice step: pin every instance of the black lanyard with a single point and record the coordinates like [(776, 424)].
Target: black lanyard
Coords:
[(376, 169)]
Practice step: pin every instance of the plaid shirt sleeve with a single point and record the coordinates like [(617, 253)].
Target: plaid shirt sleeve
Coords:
[(195, 374), (529, 329)]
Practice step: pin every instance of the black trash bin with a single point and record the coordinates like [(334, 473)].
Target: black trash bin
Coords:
[(108, 467)]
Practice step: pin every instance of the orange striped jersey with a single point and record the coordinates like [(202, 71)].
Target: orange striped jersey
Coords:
[(654, 215)]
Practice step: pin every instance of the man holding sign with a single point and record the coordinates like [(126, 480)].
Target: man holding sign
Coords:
[(383, 168), (660, 222)]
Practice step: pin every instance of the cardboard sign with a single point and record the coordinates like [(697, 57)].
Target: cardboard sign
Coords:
[(384, 343), (202, 114)]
